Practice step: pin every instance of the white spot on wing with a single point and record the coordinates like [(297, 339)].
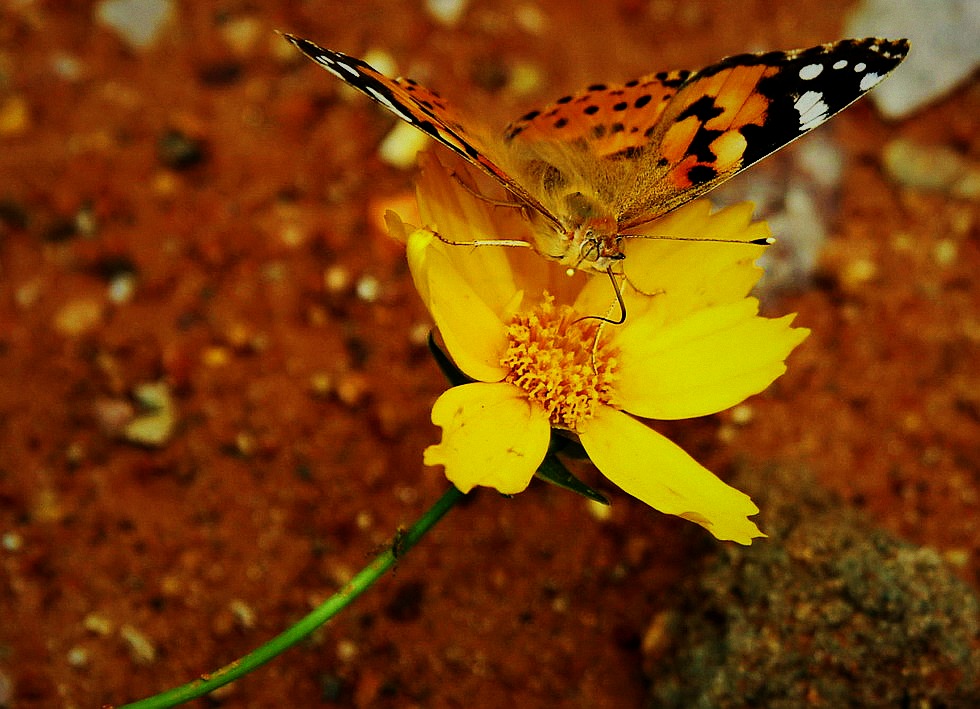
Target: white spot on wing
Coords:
[(860, 66), (840, 64), (349, 69), (811, 71), (869, 80), (812, 109), (329, 66), (386, 102)]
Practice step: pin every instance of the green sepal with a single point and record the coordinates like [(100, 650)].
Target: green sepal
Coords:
[(554, 471), (453, 373)]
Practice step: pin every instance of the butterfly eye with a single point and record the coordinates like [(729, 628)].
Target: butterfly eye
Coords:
[(590, 247)]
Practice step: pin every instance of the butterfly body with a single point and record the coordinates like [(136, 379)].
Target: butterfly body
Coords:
[(594, 167)]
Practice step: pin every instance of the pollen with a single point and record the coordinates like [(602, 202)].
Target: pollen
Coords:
[(559, 359)]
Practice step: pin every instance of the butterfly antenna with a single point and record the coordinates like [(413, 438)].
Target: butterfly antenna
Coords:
[(764, 241)]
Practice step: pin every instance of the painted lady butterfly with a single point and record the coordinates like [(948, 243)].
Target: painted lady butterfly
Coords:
[(592, 166)]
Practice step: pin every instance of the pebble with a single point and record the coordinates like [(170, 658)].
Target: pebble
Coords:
[(141, 650), (77, 656), (321, 384), (11, 541), (79, 316), (179, 151), (121, 288), (243, 613), (401, 146), (242, 34), (352, 389), (154, 428), (336, 279), (368, 288), (137, 22), (97, 624), (932, 167), (531, 19), (15, 117), (447, 12), (67, 66), (945, 37), (598, 511)]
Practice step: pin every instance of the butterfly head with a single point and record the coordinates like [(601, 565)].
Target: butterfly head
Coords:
[(595, 244)]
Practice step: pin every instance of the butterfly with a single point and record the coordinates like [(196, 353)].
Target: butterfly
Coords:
[(593, 166)]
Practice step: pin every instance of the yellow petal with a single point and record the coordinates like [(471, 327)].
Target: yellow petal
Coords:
[(460, 217), (491, 436), (694, 275), (474, 335), (658, 472), (702, 364)]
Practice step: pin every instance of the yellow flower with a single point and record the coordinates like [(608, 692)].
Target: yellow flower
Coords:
[(528, 333)]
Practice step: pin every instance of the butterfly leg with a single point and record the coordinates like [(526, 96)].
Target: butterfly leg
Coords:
[(484, 242), (482, 197)]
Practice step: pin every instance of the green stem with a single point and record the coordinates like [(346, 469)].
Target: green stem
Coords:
[(327, 610)]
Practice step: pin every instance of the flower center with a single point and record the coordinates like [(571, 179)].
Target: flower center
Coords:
[(559, 360)]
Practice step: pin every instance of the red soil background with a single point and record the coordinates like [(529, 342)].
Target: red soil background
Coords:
[(302, 403)]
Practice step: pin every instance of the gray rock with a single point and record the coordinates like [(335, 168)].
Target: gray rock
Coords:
[(827, 612), (945, 37)]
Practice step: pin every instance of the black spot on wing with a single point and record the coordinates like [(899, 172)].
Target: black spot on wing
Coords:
[(843, 67), (700, 174), (704, 109)]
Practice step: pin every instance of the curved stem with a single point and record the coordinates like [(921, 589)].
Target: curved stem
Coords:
[(327, 610)]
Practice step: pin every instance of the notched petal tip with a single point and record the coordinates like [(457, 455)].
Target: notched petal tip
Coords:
[(658, 472), (491, 436)]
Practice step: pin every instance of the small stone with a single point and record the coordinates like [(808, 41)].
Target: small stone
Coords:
[(67, 66), (241, 34), (336, 279), (243, 613), (742, 414), (77, 317), (321, 384), (526, 79), (945, 252), (11, 541), (97, 624), (530, 18), (945, 38), (368, 288), (346, 650), (401, 146), (352, 388), (382, 61), (216, 356), (138, 22), (932, 167), (598, 511), (857, 272), (15, 117), (154, 428), (447, 12), (77, 657), (122, 288), (141, 649), (179, 151)]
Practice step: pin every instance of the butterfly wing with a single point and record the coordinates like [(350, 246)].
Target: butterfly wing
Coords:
[(734, 113), (607, 120), (422, 108), (649, 146)]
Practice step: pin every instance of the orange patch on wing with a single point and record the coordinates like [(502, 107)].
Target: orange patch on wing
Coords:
[(678, 139), (729, 147)]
